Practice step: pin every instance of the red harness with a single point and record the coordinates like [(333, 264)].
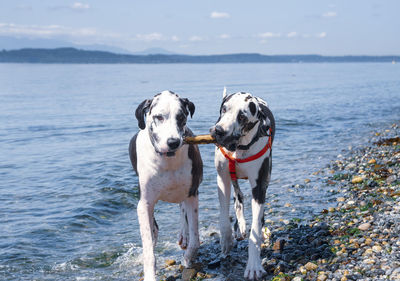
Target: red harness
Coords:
[(233, 160)]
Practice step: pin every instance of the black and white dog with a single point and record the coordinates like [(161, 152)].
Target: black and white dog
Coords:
[(168, 170), (244, 133)]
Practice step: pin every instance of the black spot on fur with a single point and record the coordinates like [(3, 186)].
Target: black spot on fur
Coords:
[(242, 93), (262, 219), (265, 114), (197, 166), (240, 198), (153, 136), (253, 108), (181, 119), (132, 153), (262, 181), (249, 126), (155, 223), (236, 225), (186, 218), (227, 98), (248, 98)]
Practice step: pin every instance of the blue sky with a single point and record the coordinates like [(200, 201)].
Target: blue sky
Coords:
[(370, 27)]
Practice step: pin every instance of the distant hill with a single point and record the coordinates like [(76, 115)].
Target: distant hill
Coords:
[(154, 51), (72, 55), (15, 43)]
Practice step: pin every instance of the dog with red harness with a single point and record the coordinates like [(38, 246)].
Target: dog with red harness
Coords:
[(244, 134)]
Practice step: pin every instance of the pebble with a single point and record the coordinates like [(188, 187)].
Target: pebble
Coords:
[(170, 262), (377, 248), (188, 274), (356, 179), (322, 277), (364, 226), (369, 261), (340, 199), (311, 266)]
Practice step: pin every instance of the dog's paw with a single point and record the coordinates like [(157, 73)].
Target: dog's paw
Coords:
[(254, 271), (189, 256), (183, 240), (226, 244), (240, 234)]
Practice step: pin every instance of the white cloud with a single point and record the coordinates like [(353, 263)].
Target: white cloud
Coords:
[(155, 36), (80, 6), (224, 36), (329, 14), (219, 15), (56, 31), (175, 38), (321, 35), (291, 34), (196, 38), (269, 35), (45, 30)]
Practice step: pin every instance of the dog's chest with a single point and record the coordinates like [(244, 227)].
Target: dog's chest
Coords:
[(175, 185)]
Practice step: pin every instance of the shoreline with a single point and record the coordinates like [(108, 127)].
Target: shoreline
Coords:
[(359, 239)]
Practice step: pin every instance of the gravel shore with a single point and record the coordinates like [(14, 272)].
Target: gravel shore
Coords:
[(356, 240)]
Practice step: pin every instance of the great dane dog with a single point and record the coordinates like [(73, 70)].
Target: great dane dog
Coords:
[(244, 133), (168, 170)]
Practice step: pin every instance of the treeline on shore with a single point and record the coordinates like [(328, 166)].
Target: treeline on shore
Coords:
[(72, 55)]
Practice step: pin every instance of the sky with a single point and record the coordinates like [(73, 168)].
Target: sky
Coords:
[(342, 27)]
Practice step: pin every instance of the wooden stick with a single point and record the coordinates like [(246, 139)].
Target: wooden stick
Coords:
[(200, 139)]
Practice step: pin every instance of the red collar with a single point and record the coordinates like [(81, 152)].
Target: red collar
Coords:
[(233, 160)]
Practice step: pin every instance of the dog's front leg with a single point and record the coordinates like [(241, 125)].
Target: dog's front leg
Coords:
[(240, 222), (145, 211), (191, 207), (259, 183), (224, 195)]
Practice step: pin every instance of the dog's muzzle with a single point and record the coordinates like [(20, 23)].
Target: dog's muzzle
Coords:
[(230, 142)]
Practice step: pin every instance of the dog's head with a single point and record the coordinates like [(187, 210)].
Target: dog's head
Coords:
[(239, 114), (165, 117)]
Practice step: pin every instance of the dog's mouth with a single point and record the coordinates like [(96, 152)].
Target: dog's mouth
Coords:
[(230, 142)]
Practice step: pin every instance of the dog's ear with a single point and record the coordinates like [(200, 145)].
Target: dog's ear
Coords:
[(267, 120), (140, 112), (189, 106), (224, 93)]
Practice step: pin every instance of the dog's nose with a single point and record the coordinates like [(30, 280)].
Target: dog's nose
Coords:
[(219, 131), (173, 143)]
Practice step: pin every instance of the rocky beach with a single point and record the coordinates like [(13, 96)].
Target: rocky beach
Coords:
[(358, 239)]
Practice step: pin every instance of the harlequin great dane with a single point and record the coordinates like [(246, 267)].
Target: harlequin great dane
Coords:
[(168, 170), (244, 133)]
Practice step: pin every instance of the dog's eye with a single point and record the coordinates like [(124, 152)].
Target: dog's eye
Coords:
[(159, 118), (223, 109), (241, 118)]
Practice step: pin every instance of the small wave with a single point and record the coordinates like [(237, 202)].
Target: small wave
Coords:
[(131, 260)]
